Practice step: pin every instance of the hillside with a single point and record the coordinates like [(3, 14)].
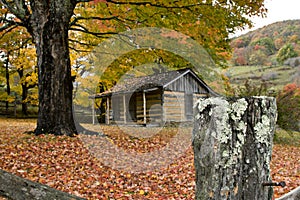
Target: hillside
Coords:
[(261, 47), (269, 55)]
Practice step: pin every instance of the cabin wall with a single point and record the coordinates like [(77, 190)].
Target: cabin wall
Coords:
[(188, 84), (173, 107), (178, 106), (197, 96)]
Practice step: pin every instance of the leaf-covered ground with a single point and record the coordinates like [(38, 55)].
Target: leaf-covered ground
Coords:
[(76, 165)]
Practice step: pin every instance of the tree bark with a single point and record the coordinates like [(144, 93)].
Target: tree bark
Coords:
[(232, 142), (17, 188), (49, 26)]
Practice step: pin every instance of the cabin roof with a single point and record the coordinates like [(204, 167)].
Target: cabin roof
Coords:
[(152, 82)]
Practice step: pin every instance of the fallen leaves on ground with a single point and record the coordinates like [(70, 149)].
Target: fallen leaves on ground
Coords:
[(71, 164), (285, 166)]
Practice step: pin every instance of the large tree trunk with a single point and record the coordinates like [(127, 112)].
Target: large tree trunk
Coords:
[(232, 142), (49, 26)]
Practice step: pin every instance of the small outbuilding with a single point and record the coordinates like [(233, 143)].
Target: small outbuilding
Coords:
[(155, 99)]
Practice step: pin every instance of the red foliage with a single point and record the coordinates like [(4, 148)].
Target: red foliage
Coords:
[(290, 87), (239, 58), (238, 43), (99, 1), (288, 107), (257, 47)]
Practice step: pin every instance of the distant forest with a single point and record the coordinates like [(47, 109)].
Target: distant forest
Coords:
[(271, 45)]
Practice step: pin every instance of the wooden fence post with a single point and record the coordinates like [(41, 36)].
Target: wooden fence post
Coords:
[(232, 142)]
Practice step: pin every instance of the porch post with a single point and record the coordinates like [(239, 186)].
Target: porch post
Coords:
[(124, 107), (107, 111), (144, 106), (162, 108), (93, 111)]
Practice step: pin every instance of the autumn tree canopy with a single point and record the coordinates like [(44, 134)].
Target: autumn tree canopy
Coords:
[(19, 60), (53, 24)]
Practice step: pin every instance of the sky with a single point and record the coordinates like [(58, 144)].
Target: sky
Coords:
[(278, 10)]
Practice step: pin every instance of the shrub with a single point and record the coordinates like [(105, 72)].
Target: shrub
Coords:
[(249, 89), (288, 106)]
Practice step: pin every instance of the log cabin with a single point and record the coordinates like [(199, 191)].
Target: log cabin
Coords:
[(155, 99)]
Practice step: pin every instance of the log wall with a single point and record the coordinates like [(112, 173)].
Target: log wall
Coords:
[(174, 106)]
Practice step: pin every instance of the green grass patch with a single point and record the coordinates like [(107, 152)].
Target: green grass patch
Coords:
[(275, 76), (284, 137), (246, 70)]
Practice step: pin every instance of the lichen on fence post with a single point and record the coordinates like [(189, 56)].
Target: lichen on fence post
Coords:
[(232, 142)]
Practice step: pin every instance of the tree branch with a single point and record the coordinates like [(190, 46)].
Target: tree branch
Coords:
[(7, 22), (78, 42), (83, 1), (7, 28), (19, 9), (23, 9), (85, 30), (79, 50), (77, 19), (155, 4)]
